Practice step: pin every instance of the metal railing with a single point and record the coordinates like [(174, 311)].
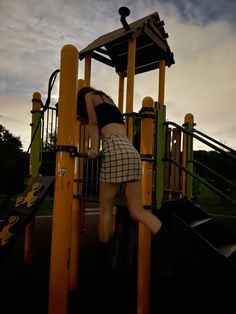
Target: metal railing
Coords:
[(209, 142), (49, 129)]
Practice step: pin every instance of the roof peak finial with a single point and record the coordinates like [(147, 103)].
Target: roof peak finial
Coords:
[(124, 12)]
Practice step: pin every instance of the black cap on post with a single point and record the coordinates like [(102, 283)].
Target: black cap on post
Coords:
[(124, 12)]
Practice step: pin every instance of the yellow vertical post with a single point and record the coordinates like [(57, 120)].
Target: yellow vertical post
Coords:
[(76, 213), (144, 248), (121, 92), (130, 84), (161, 136), (35, 163), (87, 79), (186, 156), (184, 164), (28, 249), (190, 125), (64, 175), (83, 133), (176, 156), (84, 139), (87, 71), (167, 172), (75, 230), (161, 89)]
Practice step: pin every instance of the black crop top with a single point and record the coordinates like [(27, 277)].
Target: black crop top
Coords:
[(107, 113)]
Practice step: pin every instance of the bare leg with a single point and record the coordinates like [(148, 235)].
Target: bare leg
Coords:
[(107, 196), (133, 197)]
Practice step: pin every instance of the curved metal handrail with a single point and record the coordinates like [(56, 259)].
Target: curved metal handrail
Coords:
[(229, 153), (200, 139), (195, 176), (214, 140), (213, 172)]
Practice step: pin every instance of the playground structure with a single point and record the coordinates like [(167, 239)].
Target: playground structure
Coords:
[(166, 151), (121, 48)]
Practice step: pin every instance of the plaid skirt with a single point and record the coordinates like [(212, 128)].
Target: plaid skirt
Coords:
[(121, 161)]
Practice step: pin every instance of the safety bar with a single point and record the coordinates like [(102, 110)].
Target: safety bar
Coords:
[(215, 141), (85, 155), (213, 172), (200, 139), (195, 176)]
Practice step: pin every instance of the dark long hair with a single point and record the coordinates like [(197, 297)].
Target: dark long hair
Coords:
[(81, 103)]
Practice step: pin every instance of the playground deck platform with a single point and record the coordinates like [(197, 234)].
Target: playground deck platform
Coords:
[(25, 289)]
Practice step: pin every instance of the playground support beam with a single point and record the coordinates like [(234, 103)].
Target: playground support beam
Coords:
[(130, 84), (161, 89), (64, 176), (144, 243), (121, 92), (81, 149), (87, 80), (161, 136), (84, 130), (87, 71), (187, 180), (77, 212), (35, 163)]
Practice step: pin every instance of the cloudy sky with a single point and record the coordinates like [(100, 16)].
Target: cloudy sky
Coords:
[(202, 36)]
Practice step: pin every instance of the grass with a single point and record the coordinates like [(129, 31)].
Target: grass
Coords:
[(208, 200), (213, 203), (45, 209)]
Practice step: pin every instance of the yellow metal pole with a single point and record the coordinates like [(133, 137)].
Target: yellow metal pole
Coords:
[(190, 125), (76, 213), (176, 170), (29, 234), (130, 84), (87, 79), (83, 137), (35, 163), (84, 140), (87, 82), (87, 71), (187, 146), (161, 135), (82, 149), (144, 248), (161, 89), (64, 176), (121, 91), (184, 164), (167, 172)]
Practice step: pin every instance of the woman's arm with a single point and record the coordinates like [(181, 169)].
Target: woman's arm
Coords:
[(92, 126)]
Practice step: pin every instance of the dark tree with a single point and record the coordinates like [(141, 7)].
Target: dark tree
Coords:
[(13, 163), (220, 163)]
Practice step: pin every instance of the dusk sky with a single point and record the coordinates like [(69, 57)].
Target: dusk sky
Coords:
[(202, 36)]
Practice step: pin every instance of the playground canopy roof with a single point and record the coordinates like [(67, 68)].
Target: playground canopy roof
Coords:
[(151, 46)]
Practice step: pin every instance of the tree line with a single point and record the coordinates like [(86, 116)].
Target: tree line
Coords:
[(14, 163)]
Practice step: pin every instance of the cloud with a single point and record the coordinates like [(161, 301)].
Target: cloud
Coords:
[(16, 117), (202, 80), (202, 12)]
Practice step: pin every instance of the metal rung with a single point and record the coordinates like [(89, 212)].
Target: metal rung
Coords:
[(227, 250), (200, 221)]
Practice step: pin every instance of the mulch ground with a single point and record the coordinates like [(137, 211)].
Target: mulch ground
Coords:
[(25, 289)]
